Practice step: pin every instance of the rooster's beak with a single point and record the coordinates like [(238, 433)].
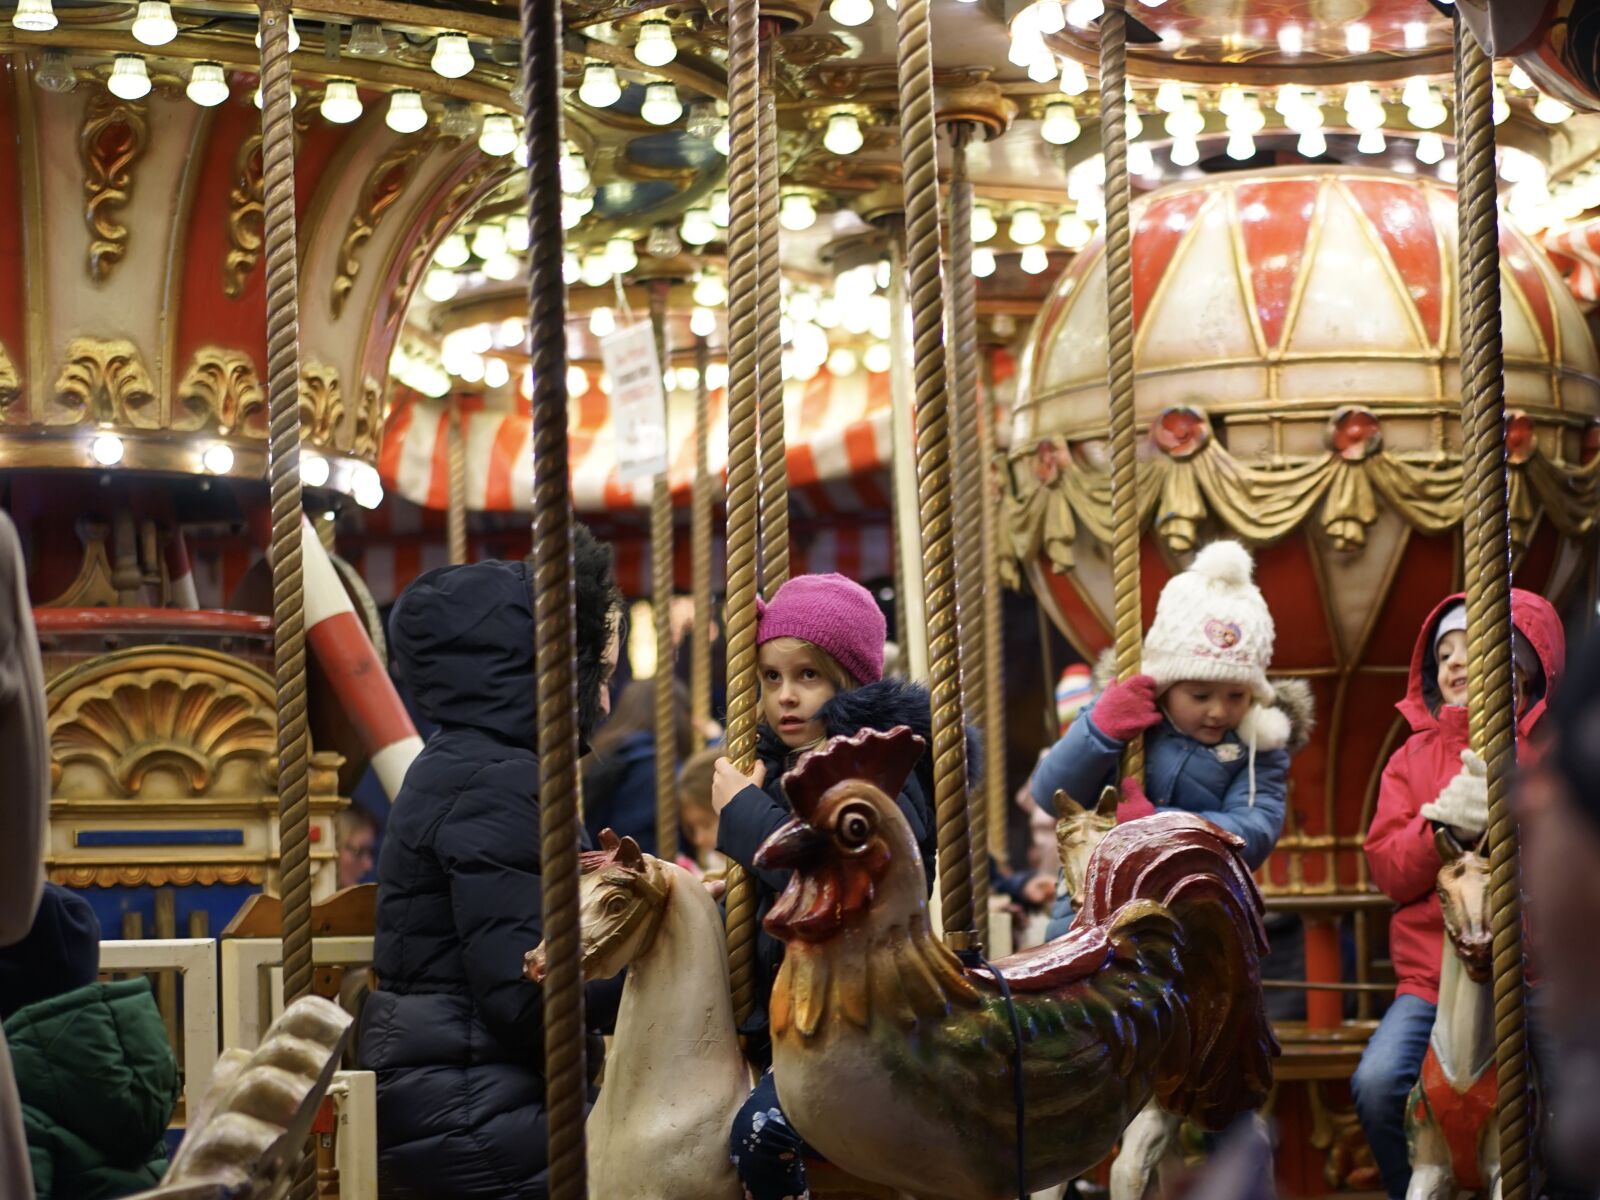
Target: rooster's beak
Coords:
[(794, 847)]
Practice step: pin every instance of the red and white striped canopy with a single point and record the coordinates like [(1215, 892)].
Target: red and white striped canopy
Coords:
[(1576, 252)]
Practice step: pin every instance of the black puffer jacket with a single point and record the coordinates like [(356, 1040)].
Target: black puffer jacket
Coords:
[(454, 1030), (756, 813)]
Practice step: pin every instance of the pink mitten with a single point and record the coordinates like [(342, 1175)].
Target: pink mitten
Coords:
[(1125, 709), (1135, 803)]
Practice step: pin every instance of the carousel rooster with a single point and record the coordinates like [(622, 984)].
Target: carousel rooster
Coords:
[(896, 1062)]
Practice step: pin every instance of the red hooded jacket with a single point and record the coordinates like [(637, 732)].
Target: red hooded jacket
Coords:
[(1399, 843)]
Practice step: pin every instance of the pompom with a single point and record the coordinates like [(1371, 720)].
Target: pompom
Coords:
[(1226, 561), (1268, 727)]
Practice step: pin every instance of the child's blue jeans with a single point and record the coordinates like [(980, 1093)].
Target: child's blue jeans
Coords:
[(1382, 1082), (768, 1154)]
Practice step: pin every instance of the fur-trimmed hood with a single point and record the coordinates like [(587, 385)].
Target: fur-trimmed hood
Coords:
[(1286, 725)]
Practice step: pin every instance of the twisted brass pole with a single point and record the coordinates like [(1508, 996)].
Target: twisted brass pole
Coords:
[(556, 691), (743, 384), (774, 502), (661, 608), (920, 159), (990, 598), (963, 369), (1491, 688), (456, 516), (1119, 325), (700, 553)]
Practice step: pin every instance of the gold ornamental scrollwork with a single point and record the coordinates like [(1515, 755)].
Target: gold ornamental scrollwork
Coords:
[(246, 212), (10, 383), (114, 135), (322, 407), (482, 179), (104, 381), (384, 186), (221, 391), (364, 442), (156, 875)]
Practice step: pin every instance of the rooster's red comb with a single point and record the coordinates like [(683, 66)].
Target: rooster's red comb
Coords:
[(884, 760)]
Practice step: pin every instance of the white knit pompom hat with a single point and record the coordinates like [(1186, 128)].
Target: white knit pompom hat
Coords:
[(1212, 624)]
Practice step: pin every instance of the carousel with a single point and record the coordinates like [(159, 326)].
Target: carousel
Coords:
[(1003, 308)]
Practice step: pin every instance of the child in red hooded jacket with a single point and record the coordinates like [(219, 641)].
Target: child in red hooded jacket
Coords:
[(1432, 780)]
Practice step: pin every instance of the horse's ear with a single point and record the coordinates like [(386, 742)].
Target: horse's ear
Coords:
[(1066, 806), (629, 854), (608, 839), (1445, 841), (1109, 796)]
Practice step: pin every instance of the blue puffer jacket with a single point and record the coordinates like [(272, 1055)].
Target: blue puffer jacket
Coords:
[(454, 1030)]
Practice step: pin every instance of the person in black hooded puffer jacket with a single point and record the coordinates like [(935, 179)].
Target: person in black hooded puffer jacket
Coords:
[(454, 1031)]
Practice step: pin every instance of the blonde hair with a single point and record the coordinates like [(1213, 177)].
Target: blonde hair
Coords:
[(825, 664), (694, 778)]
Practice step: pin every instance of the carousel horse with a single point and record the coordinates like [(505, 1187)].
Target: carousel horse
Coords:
[(900, 1063), (1149, 1143), (1450, 1117), (675, 1075)]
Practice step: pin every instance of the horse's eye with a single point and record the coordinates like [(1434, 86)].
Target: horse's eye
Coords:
[(615, 905), (854, 827)]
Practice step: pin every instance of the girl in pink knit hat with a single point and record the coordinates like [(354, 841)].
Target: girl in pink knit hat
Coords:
[(820, 643)]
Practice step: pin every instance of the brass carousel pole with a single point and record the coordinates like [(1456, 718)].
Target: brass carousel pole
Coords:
[(743, 386), (1486, 542), (1119, 324), (700, 553), (566, 1085), (992, 596), (456, 515), (919, 154), (661, 606), (283, 476), (774, 503)]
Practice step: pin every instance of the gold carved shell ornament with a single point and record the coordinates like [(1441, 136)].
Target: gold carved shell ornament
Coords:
[(10, 382), (322, 407), (221, 391), (104, 381)]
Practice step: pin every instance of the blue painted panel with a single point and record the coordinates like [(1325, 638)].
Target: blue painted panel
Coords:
[(671, 150), (621, 197), (220, 902), (159, 837)]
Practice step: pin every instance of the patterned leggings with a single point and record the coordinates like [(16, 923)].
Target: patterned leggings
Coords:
[(765, 1149)]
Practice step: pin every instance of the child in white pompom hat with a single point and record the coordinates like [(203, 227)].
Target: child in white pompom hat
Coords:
[(1217, 735)]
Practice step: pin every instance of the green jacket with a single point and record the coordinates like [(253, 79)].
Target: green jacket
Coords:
[(98, 1083)]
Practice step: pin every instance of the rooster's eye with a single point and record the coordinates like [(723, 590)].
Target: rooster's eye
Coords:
[(854, 827)]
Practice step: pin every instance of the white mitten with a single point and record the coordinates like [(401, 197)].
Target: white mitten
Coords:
[(1464, 803)]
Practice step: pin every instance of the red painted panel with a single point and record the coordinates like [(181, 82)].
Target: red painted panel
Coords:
[(13, 302), (1153, 576), (1514, 253), (1426, 575), (1399, 213), (1534, 571), (1274, 222), (1087, 627), (1285, 577), (1156, 237)]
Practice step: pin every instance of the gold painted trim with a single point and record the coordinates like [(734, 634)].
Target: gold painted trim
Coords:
[(376, 200), (37, 353), (177, 247), (108, 177)]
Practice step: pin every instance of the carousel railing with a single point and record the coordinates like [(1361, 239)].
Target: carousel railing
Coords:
[(194, 962)]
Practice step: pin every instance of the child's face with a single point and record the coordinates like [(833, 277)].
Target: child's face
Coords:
[(699, 822), (792, 689), (1204, 710), (1452, 656)]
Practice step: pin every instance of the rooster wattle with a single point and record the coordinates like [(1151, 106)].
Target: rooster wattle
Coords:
[(894, 1060)]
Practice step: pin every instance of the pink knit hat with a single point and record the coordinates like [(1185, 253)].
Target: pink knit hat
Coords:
[(831, 612)]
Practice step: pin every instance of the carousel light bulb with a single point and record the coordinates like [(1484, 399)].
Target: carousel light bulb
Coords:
[(704, 120), (1247, 117), (1185, 152), (716, 376), (1550, 110), (577, 380), (661, 104), (621, 255), (1429, 115), (709, 292), (1372, 141), (294, 98), (602, 322), (107, 448), (1083, 13), (154, 25), (1241, 146), (518, 236), (440, 285), (1502, 109), (599, 88), (702, 322), (596, 269), (843, 361), (655, 47), (1415, 92), (294, 38), (573, 169), (983, 262), (1042, 67), (452, 252), (1074, 80), (796, 212), (1291, 40), (406, 114), (367, 40), (984, 225), (1133, 122), (34, 16), (367, 487), (1357, 38), (218, 459), (1289, 98), (502, 267), (489, 240), (1048, 16), (1231, 99), (722, 142), (1313, 143), (1073, 232), (341, 103), (1027, 227), (698, 228), (662, 242), (719, 208), (1357, 97), (1035, 260), (571, 272), (452, 56), (1186, 122), (850, 12), (457, 122), (1519, 79), (1169, 96), (1430, 149), (130, 78), (843, 135), (313, 469), (499, 135), (803, 306), (1142, 160), (877, 359), (208, 84), (55, 73), (496, 373), (1026, 40), (1060, 124)]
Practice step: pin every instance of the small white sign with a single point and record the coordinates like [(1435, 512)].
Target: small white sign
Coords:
[(638, 401)]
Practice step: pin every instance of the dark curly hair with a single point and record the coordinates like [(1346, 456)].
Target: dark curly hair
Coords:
[(598, 611)]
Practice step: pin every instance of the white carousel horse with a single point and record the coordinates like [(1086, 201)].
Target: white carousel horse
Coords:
[(1450, 1117)]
